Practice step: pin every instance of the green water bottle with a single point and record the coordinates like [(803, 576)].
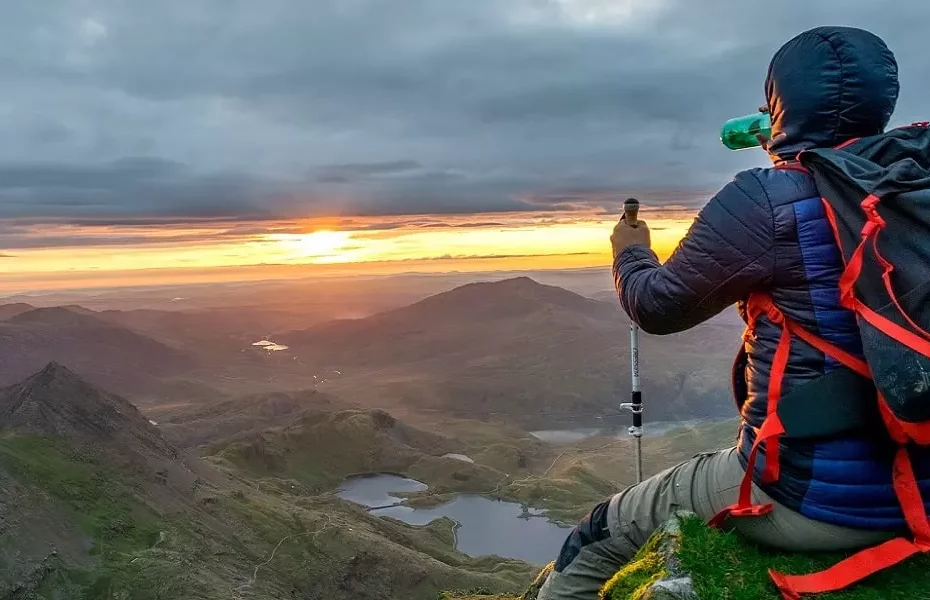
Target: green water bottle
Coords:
[(740, 133)]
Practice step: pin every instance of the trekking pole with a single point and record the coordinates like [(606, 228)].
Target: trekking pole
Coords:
[(635, 406)]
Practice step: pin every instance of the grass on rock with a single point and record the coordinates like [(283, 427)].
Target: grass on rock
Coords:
[(724, 566)]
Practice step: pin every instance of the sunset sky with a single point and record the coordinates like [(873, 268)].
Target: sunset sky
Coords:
[(158, 142), (113, 254)]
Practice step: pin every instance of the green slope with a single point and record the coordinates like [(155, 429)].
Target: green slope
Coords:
[(726, 567), (93, 532)]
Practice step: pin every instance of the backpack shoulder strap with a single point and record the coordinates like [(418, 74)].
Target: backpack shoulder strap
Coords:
[(773, 428)]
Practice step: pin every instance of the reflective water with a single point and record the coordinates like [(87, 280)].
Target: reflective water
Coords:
[(570, 436), (270, 346), (377, 490), (485, 526)]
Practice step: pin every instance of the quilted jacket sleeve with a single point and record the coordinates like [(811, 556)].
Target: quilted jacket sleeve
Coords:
[(728, 252)]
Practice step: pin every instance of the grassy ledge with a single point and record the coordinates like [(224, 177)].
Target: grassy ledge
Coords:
[(724, 566)]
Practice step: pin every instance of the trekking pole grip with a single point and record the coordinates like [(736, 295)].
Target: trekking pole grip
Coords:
[(631, 211)]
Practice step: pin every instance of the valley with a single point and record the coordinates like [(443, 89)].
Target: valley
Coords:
[(150, 459)]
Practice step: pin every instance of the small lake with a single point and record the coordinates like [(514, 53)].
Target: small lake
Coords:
[(378, 490), (570, 436), (485, 526), (270, 346)]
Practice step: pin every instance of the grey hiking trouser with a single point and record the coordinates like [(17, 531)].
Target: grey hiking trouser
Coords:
[(612, 533)]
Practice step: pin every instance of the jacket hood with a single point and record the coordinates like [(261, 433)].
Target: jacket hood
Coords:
[(829, 85)]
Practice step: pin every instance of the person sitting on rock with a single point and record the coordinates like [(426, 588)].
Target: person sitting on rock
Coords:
[(766, 232)]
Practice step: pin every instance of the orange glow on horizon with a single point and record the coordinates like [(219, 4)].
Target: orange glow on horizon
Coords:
[(181, 254)]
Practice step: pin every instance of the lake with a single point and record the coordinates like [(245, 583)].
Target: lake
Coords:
[(570, 436), (270, 346), (485, 526), (378, 490)]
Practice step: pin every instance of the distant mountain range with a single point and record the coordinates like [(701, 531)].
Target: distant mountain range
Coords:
[(522, 352), (11, 310), (512, 350), (105, 353)]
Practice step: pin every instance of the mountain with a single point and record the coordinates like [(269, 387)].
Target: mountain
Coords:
[(95, 504), (11, 310), (107, 354), (522, 352), (468, 320), (56, 402)]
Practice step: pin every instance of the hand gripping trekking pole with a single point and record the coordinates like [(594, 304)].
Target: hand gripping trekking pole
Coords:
[(635, 406)]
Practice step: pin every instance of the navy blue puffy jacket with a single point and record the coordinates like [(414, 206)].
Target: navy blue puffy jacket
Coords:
[(767, 231)]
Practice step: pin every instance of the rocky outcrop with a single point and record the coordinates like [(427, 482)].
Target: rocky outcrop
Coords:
[(657, 573)]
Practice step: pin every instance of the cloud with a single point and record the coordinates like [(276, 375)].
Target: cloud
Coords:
[(475, 225), (283, 109), (351, 172), (458, 257)]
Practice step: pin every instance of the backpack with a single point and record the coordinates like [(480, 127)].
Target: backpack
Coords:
[(876, 194)]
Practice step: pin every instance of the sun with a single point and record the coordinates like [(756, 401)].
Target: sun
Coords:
[(321, 244)]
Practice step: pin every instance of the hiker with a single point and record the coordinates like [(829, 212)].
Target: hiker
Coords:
[(766, 232)]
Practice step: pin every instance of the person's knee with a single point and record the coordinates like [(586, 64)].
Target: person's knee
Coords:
[(592, 528)]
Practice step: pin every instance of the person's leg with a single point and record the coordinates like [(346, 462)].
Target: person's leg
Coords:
[(612, 533), (705, 485)]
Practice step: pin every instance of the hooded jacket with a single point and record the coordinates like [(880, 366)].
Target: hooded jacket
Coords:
[(766, 231)]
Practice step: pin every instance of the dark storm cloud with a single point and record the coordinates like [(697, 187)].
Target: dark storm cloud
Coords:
[(173, 112)]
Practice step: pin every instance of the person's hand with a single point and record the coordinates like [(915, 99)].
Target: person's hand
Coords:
[(624, 235)]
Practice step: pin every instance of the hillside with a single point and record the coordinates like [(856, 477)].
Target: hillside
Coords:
[(203, 422), (112, 356), (79, 522), (319, 449), (109, 505), (520, 352)]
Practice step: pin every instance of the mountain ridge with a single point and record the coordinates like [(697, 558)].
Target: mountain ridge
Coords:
[(57, 402), (66, 316)]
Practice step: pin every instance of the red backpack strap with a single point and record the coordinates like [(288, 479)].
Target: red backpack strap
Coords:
[(772, 427), (875, 224), (872, 560), (919, 341), (847, 572)]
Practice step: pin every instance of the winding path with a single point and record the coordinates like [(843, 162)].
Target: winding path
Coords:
[(238, 595)]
